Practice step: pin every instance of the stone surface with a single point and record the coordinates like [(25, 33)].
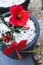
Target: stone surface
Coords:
[(35, 9)]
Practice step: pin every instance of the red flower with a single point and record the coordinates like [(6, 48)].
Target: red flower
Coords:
[(15, 46), (19, 16)]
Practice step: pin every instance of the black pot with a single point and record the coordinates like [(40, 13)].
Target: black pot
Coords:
[(31, 45), (25, 5)]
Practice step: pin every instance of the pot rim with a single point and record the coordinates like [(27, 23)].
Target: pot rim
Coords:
[(37, 33)]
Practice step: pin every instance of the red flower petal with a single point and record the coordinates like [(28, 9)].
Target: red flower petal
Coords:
[(22, 44), (15, 9), (14, 46), (13, 21), (24, 18), (10, 49)]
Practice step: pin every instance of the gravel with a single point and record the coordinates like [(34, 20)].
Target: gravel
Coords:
[(35, 9), (3, 29), (25, 34)]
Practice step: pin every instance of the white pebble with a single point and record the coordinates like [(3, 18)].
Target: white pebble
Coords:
[(0, 35), (3, 29), (40, 61), (42, 53), (7, 19), (29, 34)]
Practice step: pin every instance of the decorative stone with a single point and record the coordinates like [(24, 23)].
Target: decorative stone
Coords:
[(0, 35), (26, 34), (6, 19), (42, 53), (3, 28), (40, 61)]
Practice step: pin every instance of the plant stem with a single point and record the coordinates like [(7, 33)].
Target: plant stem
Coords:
[(32, 51), (18, 54)]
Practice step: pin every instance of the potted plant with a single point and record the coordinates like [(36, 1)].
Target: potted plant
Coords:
[(19, 31)]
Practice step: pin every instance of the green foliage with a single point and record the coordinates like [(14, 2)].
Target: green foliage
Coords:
[(17, 29), (1, 43)]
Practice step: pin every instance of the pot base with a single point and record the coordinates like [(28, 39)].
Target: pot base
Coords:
[(4, 60)]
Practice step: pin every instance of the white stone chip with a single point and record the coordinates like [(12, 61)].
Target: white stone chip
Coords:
[(7, 19), (3, 29)]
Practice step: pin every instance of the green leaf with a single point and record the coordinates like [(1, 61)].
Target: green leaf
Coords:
[(17, 29), (5, 14), (1, 44)]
